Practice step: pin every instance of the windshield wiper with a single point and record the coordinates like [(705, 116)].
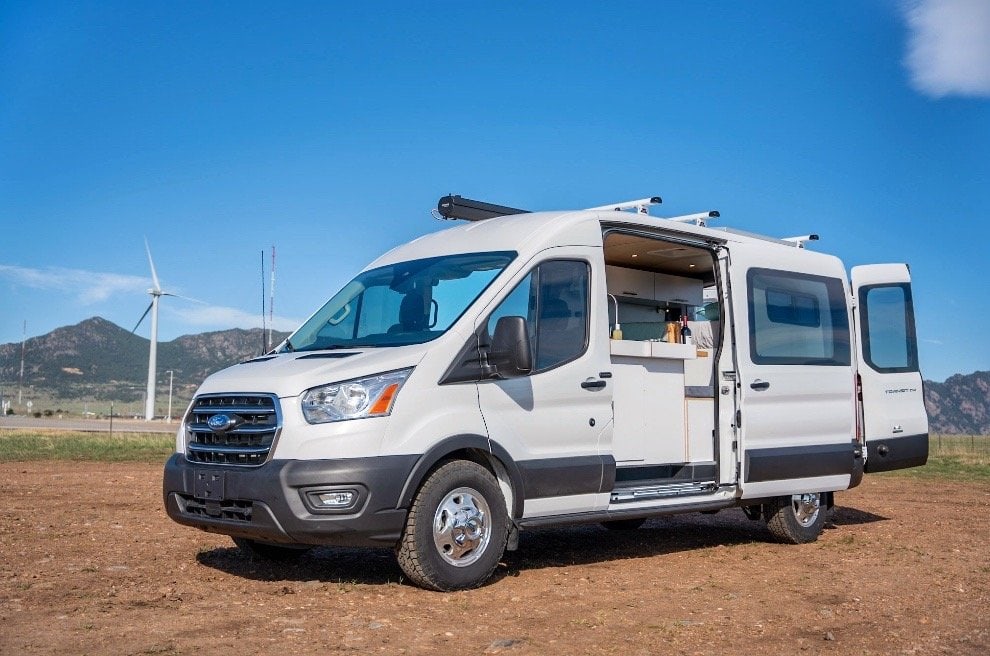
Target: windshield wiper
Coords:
[(332, 347)]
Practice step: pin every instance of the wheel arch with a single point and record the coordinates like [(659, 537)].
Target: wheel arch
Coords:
[(476, 448)]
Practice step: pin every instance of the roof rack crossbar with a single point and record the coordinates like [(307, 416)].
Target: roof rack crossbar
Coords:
[(642, 206), (699, 218), (800, 241)]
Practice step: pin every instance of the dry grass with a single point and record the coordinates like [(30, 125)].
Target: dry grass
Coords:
[(37, 444)]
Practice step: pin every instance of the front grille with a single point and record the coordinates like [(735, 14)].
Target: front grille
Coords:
[(254, 423)]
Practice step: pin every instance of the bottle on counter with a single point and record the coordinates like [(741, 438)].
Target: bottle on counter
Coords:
[(686, 336)]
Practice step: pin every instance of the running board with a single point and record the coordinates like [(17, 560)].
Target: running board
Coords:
[(626, 495), (699, 505)]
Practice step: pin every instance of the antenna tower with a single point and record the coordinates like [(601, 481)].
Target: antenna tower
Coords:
[(271, 304), (264, 331)]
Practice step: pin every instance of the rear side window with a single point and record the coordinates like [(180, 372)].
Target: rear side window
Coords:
[(797, 318), (889, 342)]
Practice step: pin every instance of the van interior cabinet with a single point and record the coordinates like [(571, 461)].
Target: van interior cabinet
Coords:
[(700, 413), (630, 282), (677, 289), (650, 286), (648, 396)]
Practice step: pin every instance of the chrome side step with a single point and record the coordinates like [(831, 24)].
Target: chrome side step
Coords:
[(626, 495)]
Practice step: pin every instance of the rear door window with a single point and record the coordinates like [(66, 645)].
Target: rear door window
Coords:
[(889, 343)]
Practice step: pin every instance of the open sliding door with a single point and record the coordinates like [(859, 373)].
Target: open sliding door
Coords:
[(794, 378)]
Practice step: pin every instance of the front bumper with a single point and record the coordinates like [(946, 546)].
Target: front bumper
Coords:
[(270, 503)]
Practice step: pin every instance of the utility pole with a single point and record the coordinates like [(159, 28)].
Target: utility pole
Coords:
[(168, 417), (20, 387)]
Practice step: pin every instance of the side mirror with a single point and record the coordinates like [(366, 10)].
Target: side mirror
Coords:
[(510, 354)]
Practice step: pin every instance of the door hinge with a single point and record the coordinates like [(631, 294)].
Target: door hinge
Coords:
[(738, 418)]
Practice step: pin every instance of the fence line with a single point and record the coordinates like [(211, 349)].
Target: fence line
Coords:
[(959, 445)]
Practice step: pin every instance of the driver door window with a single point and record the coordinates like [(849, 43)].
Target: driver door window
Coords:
[(554, 300)]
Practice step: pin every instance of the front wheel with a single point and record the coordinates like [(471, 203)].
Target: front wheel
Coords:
[(456, 529), (795, 519)]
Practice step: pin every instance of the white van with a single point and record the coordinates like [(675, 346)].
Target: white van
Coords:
[(528, 369)]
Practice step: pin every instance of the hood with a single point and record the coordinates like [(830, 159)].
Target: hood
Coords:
[(291, 374)]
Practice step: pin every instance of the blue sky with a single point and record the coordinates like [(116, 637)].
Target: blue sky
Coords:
[(217, 130)]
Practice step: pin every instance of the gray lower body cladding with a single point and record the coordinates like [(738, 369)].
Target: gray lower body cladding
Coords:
[(274, 502), (898, 452)]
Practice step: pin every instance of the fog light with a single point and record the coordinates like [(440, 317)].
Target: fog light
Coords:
[(335, 499)]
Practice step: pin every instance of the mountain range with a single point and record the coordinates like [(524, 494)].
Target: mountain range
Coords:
[(960, 405), (97, 360)]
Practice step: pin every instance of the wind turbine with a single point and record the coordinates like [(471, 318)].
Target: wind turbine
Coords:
[(156, 293)]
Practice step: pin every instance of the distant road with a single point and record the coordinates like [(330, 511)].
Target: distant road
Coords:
[(90, 425)]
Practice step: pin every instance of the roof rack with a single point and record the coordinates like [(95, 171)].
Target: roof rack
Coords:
[(453, 207), (457, 207)]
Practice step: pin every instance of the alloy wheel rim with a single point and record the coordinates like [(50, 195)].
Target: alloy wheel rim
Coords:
[(461, 527), (806, 508)]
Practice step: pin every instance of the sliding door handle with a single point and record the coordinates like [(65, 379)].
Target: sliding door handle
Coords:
[(760, 385)]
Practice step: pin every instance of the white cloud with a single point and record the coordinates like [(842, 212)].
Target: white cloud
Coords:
[(88, 287), (949, 46), (216, 316), (93, 287)]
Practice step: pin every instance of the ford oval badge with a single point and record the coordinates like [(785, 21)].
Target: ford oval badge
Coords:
[(219, 423)]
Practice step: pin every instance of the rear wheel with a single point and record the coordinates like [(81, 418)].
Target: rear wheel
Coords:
[(796, 519), (456, 530), (268, 551)]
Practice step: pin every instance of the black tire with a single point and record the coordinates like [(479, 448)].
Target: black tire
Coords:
[(456, 530), (624, 524), (268, 551), (796, 519)]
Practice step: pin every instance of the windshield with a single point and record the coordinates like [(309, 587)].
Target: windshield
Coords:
[(399, 304)]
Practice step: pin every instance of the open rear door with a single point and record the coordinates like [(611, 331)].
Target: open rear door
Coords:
[(895, 423)]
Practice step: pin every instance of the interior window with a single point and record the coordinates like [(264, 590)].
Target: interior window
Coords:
[(793, 307), (554, 300)]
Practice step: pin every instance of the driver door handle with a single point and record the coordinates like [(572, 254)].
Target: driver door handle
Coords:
[(593, 384), (760, 385)]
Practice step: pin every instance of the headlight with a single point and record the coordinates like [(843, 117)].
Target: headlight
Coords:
[(372, 396)]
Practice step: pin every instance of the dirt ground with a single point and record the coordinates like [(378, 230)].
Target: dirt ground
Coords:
[(91, 564)]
